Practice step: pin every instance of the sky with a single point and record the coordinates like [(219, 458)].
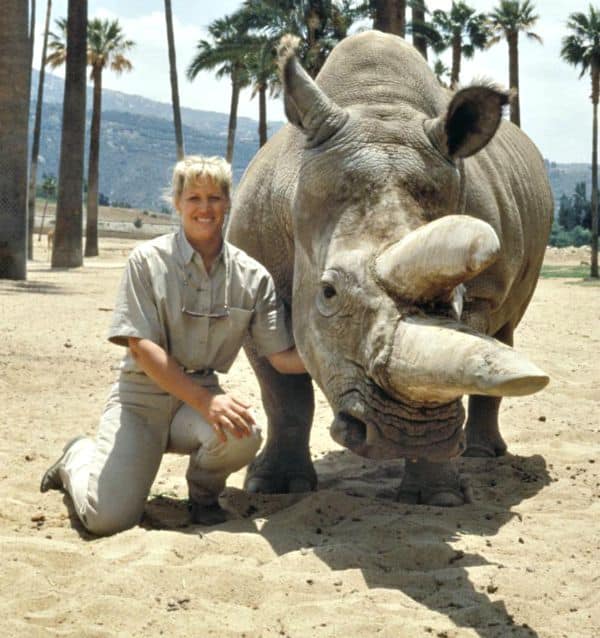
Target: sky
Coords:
[(556, 110)]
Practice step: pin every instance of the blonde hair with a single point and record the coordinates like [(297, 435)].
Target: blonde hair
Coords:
[(193, 168)]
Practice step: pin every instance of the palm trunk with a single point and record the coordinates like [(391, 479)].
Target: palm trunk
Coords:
[(595, 88), (91, 228), (14, 94), (390, 16), (67, 251), (174, 85), (233, 108), (262, 115), (418, 19), (456, 59), (513, 77), (37, 128)]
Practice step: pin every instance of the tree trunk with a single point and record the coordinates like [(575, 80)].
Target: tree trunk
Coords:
[(456, 59), (233, 108), (67, 251), (91, 227), (390, 16), (14, 96), (31, 38), (595, 88), (262, 115), (418, 18), (174, 85), (37, 129), (513, 77)]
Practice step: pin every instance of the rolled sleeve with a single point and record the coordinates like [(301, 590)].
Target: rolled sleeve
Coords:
[(136, 313), (270, 330)]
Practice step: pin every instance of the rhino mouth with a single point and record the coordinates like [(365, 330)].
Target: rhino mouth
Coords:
[(374, 425)]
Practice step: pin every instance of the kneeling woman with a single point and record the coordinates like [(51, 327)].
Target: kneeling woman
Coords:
[(186, 303)]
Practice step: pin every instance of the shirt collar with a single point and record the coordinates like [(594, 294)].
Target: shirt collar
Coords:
[(187, 251), (185, 248)]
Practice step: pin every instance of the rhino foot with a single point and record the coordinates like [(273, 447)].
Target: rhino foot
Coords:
[(278, 476), (438, 484), (485, 447)]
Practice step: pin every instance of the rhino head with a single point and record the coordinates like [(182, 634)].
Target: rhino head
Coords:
[(381, 259)]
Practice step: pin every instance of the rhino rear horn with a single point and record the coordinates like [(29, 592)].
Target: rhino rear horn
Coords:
[(430, 261), (472, 119), (306, 105)]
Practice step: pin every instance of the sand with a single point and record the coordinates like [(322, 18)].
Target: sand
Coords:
[(347, 560)]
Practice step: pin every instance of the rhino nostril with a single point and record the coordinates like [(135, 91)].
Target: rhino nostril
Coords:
[(348, 430)]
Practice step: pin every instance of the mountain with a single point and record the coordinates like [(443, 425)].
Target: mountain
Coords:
[(564, 177), (137, 146), (137, 150)]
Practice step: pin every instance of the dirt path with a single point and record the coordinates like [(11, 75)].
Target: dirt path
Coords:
[(345, 561)]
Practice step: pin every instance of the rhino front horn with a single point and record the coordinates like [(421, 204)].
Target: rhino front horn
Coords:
[(436, 361), (431, 260)]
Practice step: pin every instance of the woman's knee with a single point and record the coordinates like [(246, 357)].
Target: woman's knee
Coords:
[(107, 519), (234, 454)]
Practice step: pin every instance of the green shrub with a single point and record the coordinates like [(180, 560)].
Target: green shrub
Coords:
[(561, 237)]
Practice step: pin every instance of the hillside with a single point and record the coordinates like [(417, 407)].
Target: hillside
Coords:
[(564, 177), (138, 147), (137, 142)]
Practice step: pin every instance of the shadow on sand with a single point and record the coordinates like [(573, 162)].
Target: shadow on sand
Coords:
[(36, 287), (354, 522)]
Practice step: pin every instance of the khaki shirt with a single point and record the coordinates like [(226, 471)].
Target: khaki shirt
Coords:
[(165, 275)]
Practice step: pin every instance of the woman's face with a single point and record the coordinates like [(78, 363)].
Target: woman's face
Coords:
[(203, 206)]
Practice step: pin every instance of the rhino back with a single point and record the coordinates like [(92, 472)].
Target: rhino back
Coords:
[(506, 185), (379, 68)]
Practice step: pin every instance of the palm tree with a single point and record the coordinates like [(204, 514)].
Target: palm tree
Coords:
[(66, 251), (37, 127), (419, 9), (15, 51), (262, 68), (389, 16), (463, 30), (320, 24), (507, 20), (174, 84), (441, 72), (582, 48), (106, 46), (227, 52)]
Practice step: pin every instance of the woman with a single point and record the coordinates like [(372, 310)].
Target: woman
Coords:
[(186, 303)]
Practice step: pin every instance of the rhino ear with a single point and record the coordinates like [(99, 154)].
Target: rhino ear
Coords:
[(472, 119), (306, 105)]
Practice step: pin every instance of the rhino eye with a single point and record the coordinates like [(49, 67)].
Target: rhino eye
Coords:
[(329, 291), (329, 301)]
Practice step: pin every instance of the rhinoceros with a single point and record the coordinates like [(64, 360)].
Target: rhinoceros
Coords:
[(404, 227)]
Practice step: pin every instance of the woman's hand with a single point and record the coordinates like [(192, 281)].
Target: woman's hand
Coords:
[(224, 412), (221, 411)]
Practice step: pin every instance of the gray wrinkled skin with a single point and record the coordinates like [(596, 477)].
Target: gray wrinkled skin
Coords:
[(317, 209)]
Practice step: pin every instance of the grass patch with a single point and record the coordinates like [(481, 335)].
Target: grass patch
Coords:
[(569, 272), (579, 273)]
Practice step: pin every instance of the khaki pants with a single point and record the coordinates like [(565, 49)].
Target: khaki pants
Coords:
[(109, 479)]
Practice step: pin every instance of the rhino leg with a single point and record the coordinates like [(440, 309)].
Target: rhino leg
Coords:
[(482, 429), (284, 464), (429, 483)]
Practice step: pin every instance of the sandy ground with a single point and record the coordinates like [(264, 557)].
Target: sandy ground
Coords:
[(345, 561)]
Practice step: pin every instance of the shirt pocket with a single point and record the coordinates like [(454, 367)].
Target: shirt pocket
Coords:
[(239, 321)]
